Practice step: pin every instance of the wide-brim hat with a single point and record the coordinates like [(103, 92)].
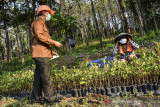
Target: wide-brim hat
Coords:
[(122, 35), (46, 8)]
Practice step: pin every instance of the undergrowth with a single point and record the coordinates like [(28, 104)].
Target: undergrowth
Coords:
[(146, 68), (16, 77)]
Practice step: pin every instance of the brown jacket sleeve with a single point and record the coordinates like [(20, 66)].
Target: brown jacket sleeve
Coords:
[(42, 33)]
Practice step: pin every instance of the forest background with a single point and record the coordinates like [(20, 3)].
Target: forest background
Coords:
[(85, 20)]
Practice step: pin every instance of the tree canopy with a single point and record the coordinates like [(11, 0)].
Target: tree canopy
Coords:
[(85, 20)]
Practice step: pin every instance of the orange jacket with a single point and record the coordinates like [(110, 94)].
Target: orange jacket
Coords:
[(129, 48), (41, 41)]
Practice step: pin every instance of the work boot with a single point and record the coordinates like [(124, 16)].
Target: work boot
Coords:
[(53, 98), (33, 99)]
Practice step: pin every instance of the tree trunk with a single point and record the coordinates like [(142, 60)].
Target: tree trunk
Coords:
[(129, 21), (29, 41), (155, 24), (107, 20), (81, 24), (29, 35), (112, 18), (5, 53), (104, 19), (140, 20), (86, 27), (63, 6), (11, 49), (126, 28), (21, 45), (137, 16), (97, 26), (89, 29), (1, 48), (142, 16), (120, 15), (67, 42), (17, 45), (102, 24), (7, 42), (133, 22), (154, 20)]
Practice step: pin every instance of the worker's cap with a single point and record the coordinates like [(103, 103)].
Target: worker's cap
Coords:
[(122, 35), (46, 8)]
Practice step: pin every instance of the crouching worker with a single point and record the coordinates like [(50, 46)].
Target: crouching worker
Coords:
[(125, 46)]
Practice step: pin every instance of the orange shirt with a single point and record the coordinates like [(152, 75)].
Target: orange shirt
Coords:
[(41, 41)]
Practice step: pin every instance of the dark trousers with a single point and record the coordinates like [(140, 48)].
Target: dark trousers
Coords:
[(42, 80)]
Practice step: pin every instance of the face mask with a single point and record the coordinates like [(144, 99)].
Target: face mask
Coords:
[(123, 41), (48, 17)]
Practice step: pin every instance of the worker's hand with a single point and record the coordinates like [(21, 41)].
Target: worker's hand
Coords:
[(58, 44), (54, 53), (117, 43), (129, 39)]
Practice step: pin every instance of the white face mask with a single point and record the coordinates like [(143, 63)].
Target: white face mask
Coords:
[(48, 17), (123, 41)]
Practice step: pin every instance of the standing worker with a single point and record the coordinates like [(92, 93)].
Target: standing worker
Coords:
[(41, 53)]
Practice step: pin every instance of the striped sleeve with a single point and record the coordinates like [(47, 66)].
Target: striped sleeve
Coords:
[(115, 50), (134, 45)]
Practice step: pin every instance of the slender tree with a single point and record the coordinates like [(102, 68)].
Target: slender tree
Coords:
[(126, 28), (97, 25), (137, 16)]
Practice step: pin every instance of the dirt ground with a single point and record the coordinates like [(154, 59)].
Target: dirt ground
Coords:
[(95, 100), (92, 100)]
